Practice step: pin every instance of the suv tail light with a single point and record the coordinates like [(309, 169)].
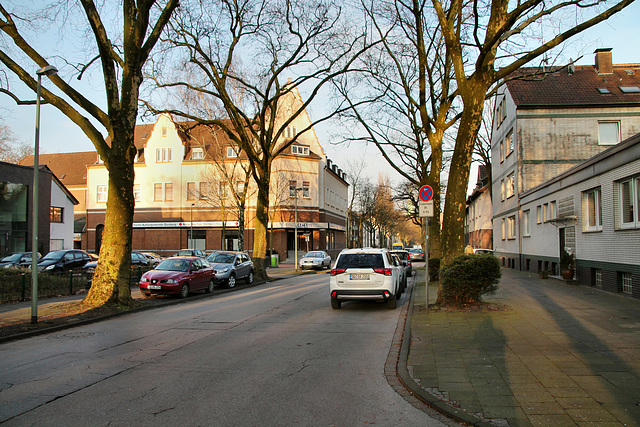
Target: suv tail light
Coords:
[(335, 271), (385, 271)]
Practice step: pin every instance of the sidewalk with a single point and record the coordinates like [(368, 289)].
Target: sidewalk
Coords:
[(550, 354)]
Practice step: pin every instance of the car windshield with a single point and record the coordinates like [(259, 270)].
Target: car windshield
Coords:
[(173, 265), (360, 261), (54, 256), (10, 258), (221, 258), (314, 255)]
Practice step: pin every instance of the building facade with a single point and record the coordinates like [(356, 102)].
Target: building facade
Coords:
[(55, 210), (186, 180), (544, 125)]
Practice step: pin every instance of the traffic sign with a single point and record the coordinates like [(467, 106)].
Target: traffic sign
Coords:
[(426, 193), (425, 209)]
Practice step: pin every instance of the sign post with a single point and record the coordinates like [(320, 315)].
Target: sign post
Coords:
[(425, 207)]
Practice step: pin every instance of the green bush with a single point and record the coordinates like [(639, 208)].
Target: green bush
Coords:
[(434, 269), (468, 277)]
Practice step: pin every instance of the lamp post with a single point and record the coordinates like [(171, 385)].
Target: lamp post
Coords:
[(295, 233), (49, 70), (191, 244)]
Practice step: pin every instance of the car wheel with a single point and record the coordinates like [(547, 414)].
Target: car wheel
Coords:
[(184, 291), (249, 278), (392, 303), (231, 281), (210, 287), (336, 303)]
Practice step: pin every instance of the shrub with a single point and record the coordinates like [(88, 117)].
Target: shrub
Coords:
[(468, 277), (434, 269)]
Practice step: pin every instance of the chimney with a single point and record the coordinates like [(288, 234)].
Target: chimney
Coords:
[(604, 61)]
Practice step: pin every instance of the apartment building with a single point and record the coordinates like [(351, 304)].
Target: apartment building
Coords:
[(545, 124)]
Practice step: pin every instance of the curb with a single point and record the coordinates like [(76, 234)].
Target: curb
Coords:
[(432, 401)]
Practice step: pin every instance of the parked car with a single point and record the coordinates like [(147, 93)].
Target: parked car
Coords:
[(416, 254), (154, 259), (191, 252), (406, 261), (137, 260), (315, 259), (481, 251), (364, 274), (231, 267), (403, 272), (63, 260), (178, 276), (17, 259)]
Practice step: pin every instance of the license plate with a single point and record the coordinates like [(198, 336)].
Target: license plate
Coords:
[(359, 277), (154, 287)]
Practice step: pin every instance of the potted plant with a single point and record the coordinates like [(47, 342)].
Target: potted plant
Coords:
[(567, 265)]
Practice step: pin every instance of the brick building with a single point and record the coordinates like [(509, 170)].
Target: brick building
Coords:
[(543, 126)]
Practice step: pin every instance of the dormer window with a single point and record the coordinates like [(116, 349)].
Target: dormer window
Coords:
[(299, 149), (232, 152), (197, 154)]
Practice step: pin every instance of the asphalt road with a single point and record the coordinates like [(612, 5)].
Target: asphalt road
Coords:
[(272, 355)]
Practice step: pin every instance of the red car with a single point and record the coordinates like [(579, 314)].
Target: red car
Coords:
[(178, 276)]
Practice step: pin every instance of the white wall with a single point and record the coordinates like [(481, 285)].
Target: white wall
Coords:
[(62, 231)]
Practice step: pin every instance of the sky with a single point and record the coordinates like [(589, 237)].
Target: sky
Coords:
[(59, 134)]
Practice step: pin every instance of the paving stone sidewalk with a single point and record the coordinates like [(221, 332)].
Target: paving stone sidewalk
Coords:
[(555, 355)]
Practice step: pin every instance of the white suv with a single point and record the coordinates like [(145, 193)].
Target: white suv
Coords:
[(365, 274)]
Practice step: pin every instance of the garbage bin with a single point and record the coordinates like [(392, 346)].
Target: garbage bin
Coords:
[(275, 260)]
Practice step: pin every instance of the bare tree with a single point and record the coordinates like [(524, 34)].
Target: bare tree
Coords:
[(122, 59), (485, 41), (11, 149), (307, 42), (403, 99)]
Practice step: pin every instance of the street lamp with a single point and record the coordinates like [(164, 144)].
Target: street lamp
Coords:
[(295, 233), (191, 244), (49, 70)]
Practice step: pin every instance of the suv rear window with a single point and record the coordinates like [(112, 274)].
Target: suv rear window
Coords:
[(360, 261)]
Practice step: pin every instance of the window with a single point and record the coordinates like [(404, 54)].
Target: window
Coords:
[(603, 90), (290, 131), (630, 89), (627, 287), (511, 227), (157, 192), (162, 191), (163, 155), (501, 151), (552, 210), (545, 210), (55, 214), (136, 192), (101, 194), (539, 215), (503, 234), (164, 131), (239, 187), (305, 189), (197, 154), (292, 188), (502, 190), (592, 210), (204, 190), (223, 190), (232, 152), (508, 144), (526, 226), (509, 185), (298, 149), (599, 277), (629, 194), (608, 133), (191, 191)]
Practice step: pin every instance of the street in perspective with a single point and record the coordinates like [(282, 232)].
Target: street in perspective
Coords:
[(274, 354)]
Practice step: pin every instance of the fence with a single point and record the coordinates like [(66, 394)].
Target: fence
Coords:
[(15, 284)]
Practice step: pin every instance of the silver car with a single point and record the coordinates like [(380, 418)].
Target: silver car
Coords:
[(315, 259), (231, 267)]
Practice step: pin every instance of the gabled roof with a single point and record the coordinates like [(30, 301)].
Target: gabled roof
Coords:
[(69, 168), (561, 87)]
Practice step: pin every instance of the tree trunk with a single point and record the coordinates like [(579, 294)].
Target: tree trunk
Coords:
[(111, 282), (241, 209), (261, 226)]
